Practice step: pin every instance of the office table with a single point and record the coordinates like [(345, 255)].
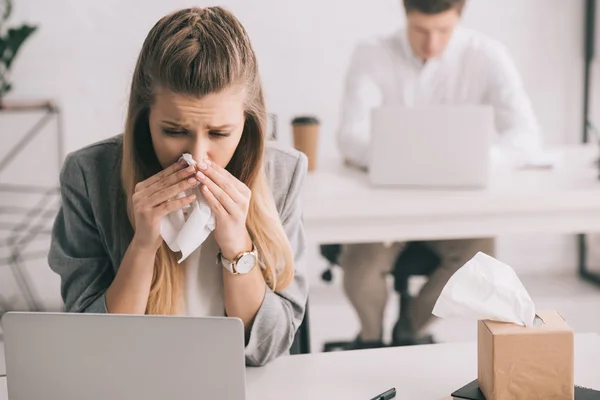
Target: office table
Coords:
[(340, 206), (429, 372)]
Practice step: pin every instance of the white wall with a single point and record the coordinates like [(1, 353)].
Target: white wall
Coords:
[(594, 241), (84, 53), (595, 105)]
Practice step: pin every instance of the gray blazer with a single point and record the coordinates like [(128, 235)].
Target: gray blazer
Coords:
[(89, 240)]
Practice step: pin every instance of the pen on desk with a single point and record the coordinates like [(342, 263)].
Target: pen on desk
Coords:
[(387, 395)]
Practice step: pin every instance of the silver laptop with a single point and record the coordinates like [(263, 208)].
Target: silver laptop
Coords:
[(57, 356), (437, 147)]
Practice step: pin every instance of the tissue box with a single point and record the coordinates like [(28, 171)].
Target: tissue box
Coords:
[(517, 362)]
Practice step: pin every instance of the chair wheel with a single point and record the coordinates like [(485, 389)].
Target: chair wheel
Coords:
[(327, 276)]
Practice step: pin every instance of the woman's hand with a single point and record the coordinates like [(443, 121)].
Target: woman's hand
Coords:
[(154, 198), (229, 200)]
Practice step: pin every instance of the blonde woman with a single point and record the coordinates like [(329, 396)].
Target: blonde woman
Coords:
[(196, 89)]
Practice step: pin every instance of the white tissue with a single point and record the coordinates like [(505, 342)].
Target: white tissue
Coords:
[(187, 235), (187, 157), (485, 288)]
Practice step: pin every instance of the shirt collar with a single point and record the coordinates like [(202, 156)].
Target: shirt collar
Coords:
[(416, 62), (406, 50)]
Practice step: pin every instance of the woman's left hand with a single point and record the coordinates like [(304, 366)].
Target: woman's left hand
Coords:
[(229, 200)]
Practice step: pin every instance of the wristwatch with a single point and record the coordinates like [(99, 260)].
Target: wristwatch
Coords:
[(242, 264)]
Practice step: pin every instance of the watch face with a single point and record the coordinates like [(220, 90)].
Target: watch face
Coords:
[(245, 263)]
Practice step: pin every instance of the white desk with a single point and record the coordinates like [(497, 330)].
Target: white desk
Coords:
[(423, 372), (340, 206), (418, 373)]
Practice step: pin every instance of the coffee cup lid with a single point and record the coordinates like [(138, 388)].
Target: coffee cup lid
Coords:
[(305, 120)]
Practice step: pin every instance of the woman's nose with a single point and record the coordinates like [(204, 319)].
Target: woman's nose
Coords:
[(199, 156), (199, 151)]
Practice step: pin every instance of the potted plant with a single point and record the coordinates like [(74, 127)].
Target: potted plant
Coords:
[(11, 40)]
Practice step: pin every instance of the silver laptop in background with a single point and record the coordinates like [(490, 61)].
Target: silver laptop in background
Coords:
[(432, 147), (58, 356)]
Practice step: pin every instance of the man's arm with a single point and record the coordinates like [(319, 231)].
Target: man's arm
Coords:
[(361, 96), (515, 120)]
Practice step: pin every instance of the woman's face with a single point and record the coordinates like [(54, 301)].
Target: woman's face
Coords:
[(208, 127)]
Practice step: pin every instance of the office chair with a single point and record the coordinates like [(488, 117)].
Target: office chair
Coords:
[(301, 343), (416, 259), (331, 252)]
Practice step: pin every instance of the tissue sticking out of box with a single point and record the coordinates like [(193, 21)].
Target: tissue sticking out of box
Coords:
[(485, 288)]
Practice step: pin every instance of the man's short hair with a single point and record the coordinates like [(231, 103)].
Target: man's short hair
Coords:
[(433, 6)]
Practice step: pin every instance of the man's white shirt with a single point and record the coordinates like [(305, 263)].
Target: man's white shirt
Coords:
[(473, 69)]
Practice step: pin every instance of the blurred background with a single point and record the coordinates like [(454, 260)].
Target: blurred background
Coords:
[(83, 53)]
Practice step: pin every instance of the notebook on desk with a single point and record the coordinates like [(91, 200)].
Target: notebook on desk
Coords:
[(471, 392), (59, 356)]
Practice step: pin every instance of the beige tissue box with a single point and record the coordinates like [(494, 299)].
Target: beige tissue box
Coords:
[(517, 362)]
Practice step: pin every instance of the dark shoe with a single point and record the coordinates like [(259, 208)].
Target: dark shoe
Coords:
[(413, 341), (402, 335), (359, 344), (356, 344)]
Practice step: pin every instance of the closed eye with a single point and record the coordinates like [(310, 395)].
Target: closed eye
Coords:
[(183, 132), (219, 134), (175, 132)]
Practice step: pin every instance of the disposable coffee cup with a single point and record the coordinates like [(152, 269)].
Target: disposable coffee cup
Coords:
[(306, 138)]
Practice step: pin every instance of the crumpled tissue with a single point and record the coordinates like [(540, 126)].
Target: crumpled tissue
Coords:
[(186, 229), (486, 289)]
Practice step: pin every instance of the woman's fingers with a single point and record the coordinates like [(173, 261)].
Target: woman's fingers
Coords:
[(224, 200), (170, 192), (212, 201), (171, 180), (239, 185), (159, 176), (224, 180), (175, 204)]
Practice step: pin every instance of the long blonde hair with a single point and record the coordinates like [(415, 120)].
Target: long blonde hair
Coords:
[(196, 52)]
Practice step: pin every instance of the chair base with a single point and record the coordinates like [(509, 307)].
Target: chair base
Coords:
[(413, 341), (358, 344)]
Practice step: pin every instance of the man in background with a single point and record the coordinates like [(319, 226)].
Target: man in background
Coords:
[(431, 61)]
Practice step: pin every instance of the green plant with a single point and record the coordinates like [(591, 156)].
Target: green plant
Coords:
[(11, 40)]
